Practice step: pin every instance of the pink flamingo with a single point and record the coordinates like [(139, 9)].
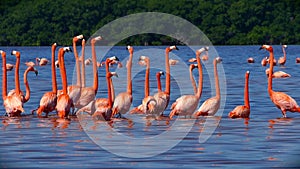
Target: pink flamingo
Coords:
[(282, 101), (264, 61), (149, 102), (41, 61), (211, 105), (162, 98), (12, 103), (187, 104), (9, 67), (123, 100), (64, 102), (49, 99), (282, 60), (250, 60), (278, 74), (243, 111)]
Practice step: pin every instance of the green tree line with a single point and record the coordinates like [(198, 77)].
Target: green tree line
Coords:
[(230, 22)]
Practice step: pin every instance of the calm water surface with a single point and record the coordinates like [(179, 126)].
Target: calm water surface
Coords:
[(266, 140)]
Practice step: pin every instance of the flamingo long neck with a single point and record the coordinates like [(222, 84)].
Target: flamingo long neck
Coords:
[(17, 78), (246, 91), (63, 71), (158, 82), (270, 72), (83, 64), (168, 76), (193, 80), (112, 90), (108, 80), (200, 80), (54, 83), (27, 96), (4, 76), (77, 63), (284, 53), (95, 71), (129, 67), (216, 80), (147, 79)]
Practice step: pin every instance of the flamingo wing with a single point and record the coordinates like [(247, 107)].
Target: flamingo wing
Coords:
[(48, 101), (209, 107), (186, 104), (122, 103), (239, 112), (283, 101)]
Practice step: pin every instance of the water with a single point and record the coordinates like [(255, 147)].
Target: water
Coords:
[(265, 141)]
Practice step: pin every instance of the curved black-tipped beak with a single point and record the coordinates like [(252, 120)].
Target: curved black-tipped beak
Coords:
[(162, 73), (36, 72), (176, 48), (70, 50), (260, 48)]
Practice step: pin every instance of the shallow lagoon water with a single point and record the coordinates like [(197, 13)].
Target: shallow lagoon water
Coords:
[(265, 140)]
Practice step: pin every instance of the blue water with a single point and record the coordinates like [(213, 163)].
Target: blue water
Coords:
[(265, 140)]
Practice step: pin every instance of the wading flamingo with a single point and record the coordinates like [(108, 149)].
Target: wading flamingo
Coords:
[(282, 101), (149, 102), (162, 98), (243, 111), (278, 74), (282, 60), (264, 61), (49, 99), (64, 102), (93, 105), (41, 61), (250, 60), (88, 94), (123, 100), (187, 104), (9, 67), (158, 75), (13, 104), (211, 105)]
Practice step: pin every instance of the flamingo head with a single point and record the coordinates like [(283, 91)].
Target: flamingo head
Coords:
[(16, 53), (76, 38), (202, 50), (193, 66), (113, 58), (129, 48), (110, 74), (267, 72), (31, 68), (170, 48), (267, 47), (67, 49), (143, 60), (219, 59), (161, 73), (284, 46), (2, 53)]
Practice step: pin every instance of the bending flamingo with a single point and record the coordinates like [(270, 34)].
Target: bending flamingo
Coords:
[(123, 100), (149, 102), (282, 101), (49, 99), (242, 111), (187, 104), (41, 61), (211, 105), (162, 98), (64, 101), (12, 103), (282, 60), (278, 74)]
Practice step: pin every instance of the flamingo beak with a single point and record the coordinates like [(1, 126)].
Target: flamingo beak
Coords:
[(261, 48), (36, 72)]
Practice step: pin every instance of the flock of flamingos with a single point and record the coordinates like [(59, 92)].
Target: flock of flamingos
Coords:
[(79, 98)]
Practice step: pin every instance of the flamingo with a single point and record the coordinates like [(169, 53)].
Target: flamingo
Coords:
[(17, 91), (9, 67), (49, 99), (162, 98), (12, 103), (41, 61), (187, 104), (264, 61), (192, 60), (243, 111), (282, 60), (158, 75), (88, 93), (278, 74), (205, 57), (250, 60), (30, 63), (123, 100), (105, 111), (211, 105), (191, 67), (173, 61), (149, 102), (93, 105), (297, 60), (64, 101), (282, 101)]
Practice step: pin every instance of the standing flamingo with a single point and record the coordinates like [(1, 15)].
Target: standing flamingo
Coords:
[(12, 103), (41, 61), (149, 102), (162, 98), (187, 104), (123, 100), (158, 75), (49, 99), (64, 102), (211, 105), (88, 93), (242, 111), (282, 101), (282, 60)]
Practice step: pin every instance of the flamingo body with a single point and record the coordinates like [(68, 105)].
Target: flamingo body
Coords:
[(47, 103), (241, 111), (184, 105)]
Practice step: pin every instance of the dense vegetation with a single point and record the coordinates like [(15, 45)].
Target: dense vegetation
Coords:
[(230, 22)]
